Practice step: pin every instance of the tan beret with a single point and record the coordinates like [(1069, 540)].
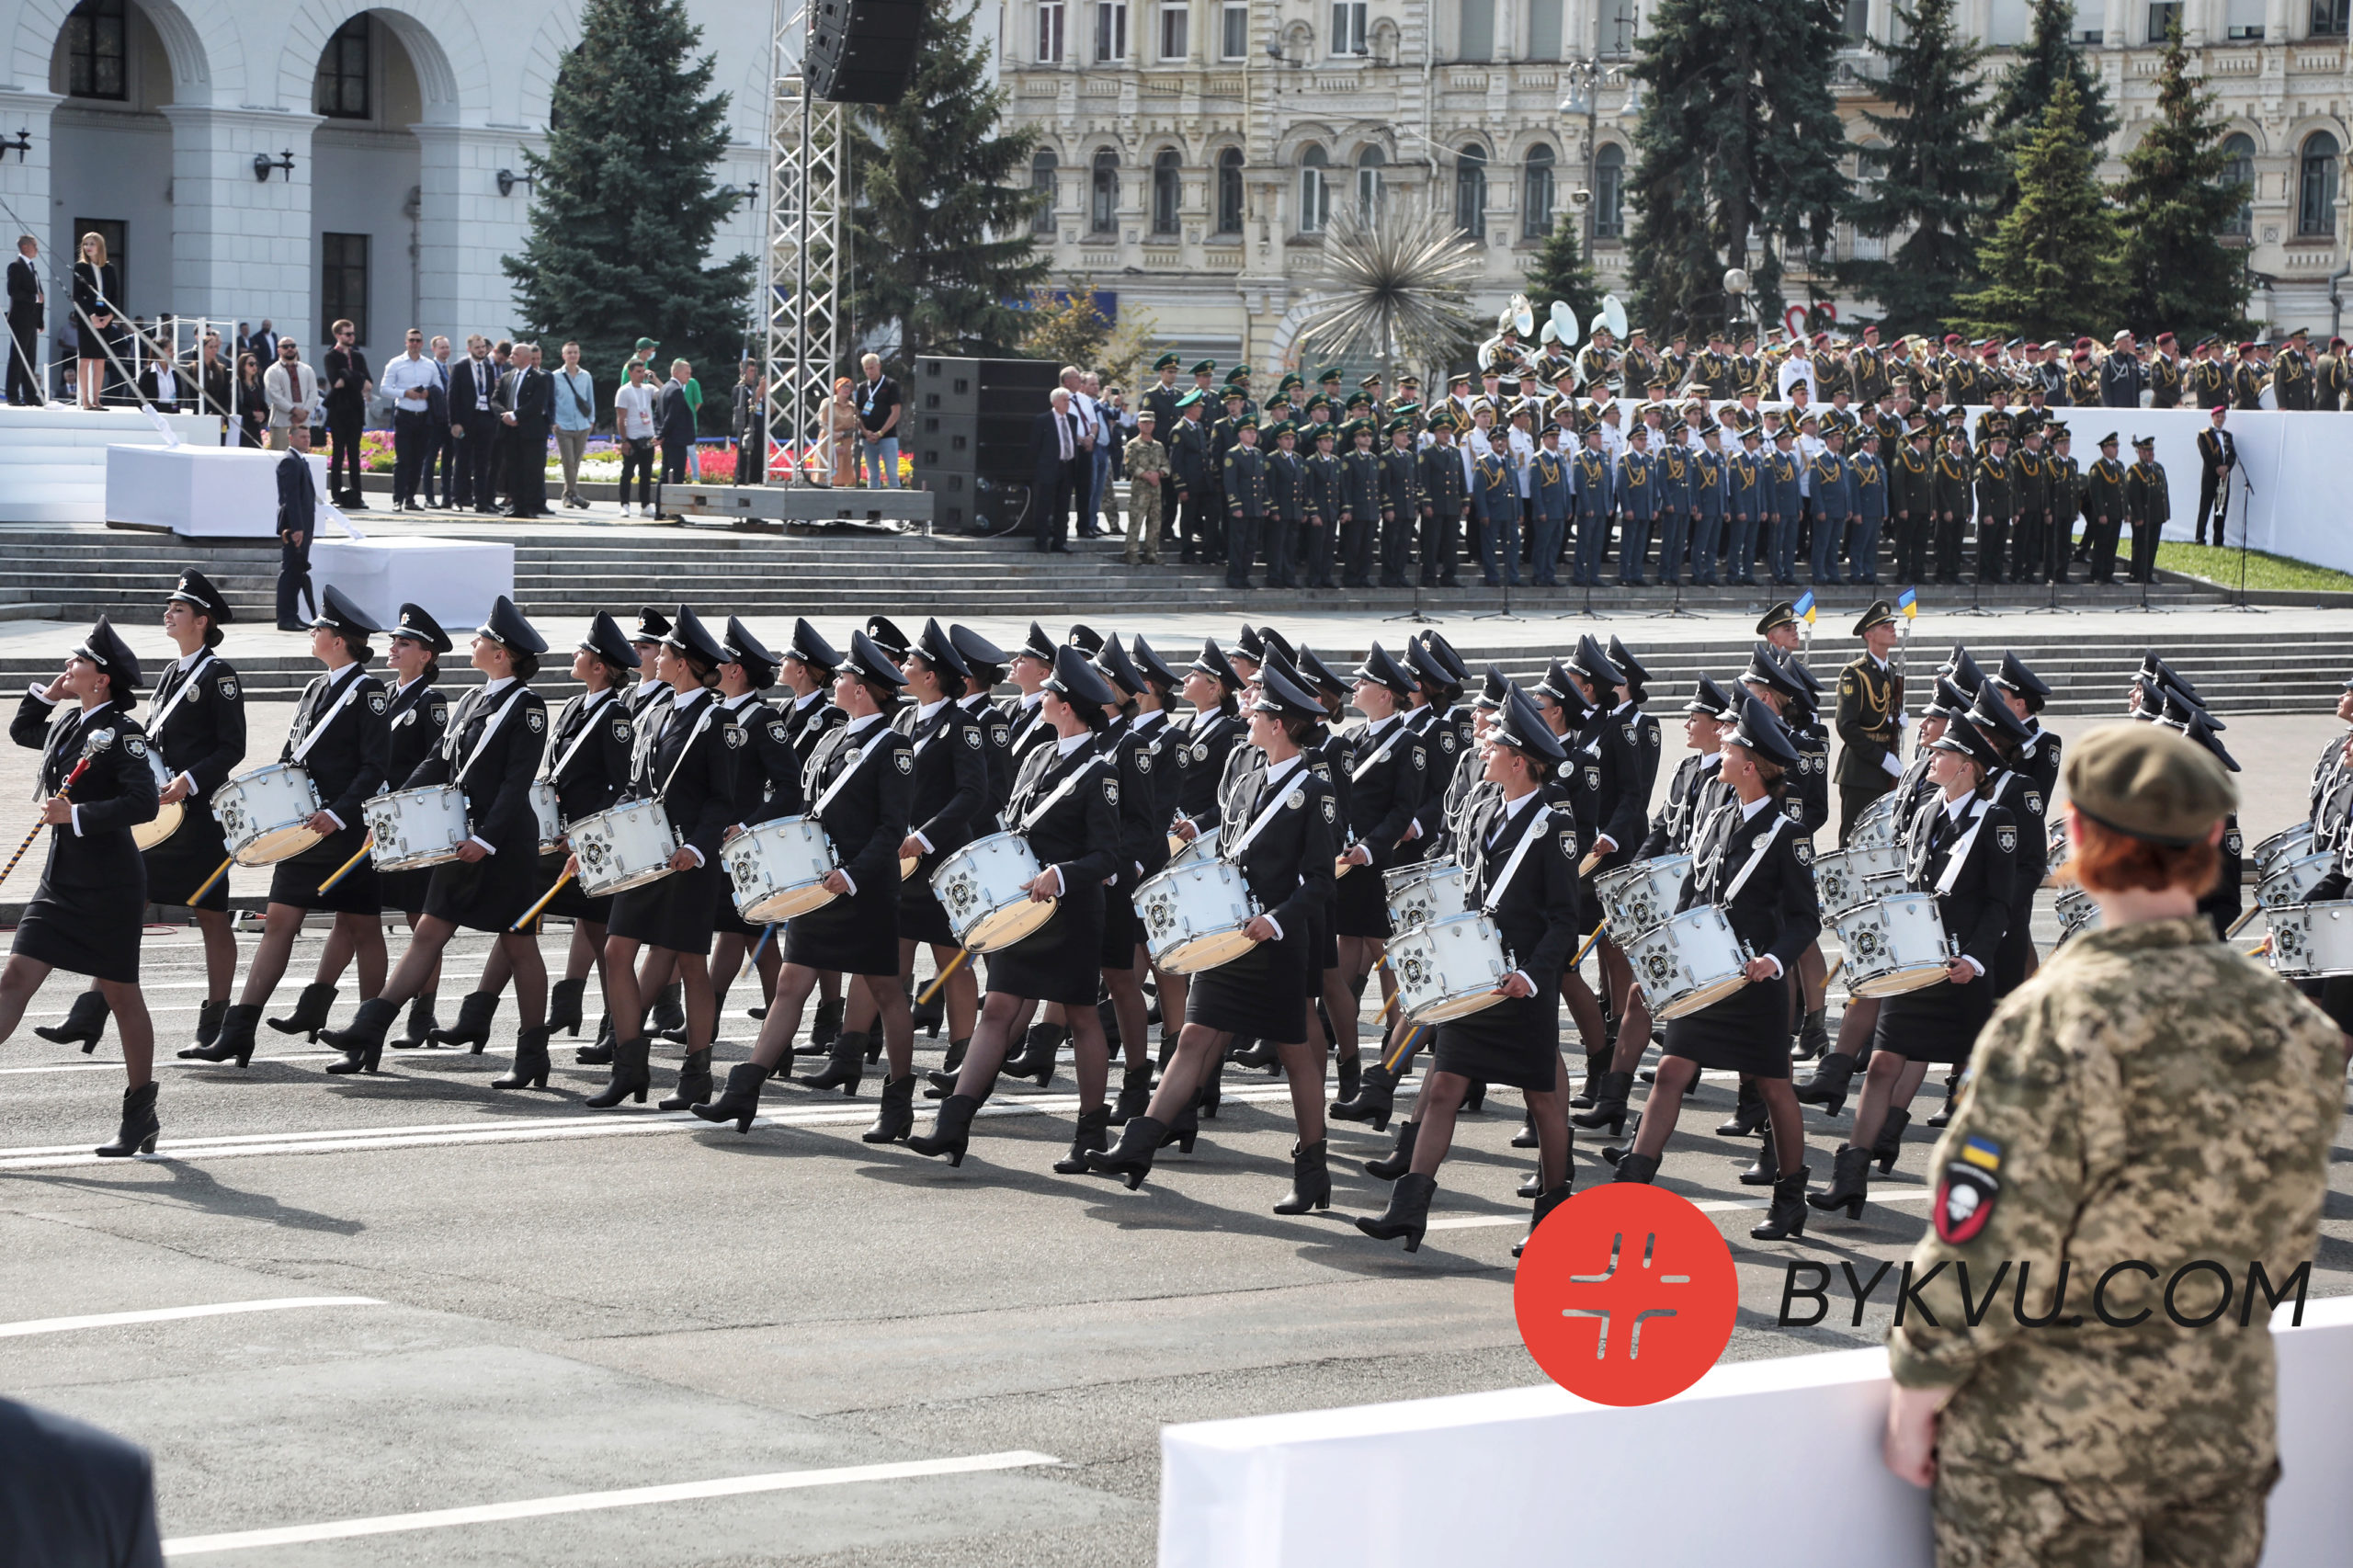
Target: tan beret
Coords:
[(2149, 782)]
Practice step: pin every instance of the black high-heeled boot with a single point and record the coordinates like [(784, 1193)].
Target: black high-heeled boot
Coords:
[(362, 1043), (1256, 1054), (1348, 1077), (1039, 1049), (1476, 1100), (531, 1063), (421, 1023), (929, 1015), (740, 1102), (1545, 1203), (955, 1057), (1092, 1136), (1952, 1093), (1631, 1166), (1135, 1095), (1408, 1214), (633, 1074), (86, 1020), (1814, 1036), (598, 1052), (1526, 1136), (669, 1008), (310, 1012), (823, 1028), (1786, 1218), (897, 1117), (208, 1016), (472, 1028), (1828, 1087), (1608, 1104), (564, 1006), (234, 1042), (1310, 1180), (694, 1083), (1768, 1169), (1851, 1182), (951, 1134), (873, 1047), (1131, 1158), (1399, 1160), (1888, 1147), (137, 1134), (1376, 1097), (1594, 1066), (844, 1069), (1748, 1112), (1211, 1092)]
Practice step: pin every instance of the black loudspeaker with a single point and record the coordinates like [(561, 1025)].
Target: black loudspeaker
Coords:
[(863, 52), (970, 421)]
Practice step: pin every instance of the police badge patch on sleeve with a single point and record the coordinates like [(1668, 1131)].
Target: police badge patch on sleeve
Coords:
[(441, 716), (1111, 791), (1000, 735), (376, 703), (2007, 840), (621, 731), (1331, 812), (1569, 844), (135, 746), (2231, 842), (776, 732), (972, 738), (734, 737), (906, 761), (2034, 801), (227, 687), (1144, 761), (536, 721), (1805, 852)]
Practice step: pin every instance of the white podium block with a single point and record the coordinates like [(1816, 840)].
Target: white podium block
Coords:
[(198, 492), (455, 580)]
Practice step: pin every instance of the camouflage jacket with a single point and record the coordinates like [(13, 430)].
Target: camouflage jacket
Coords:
[(2150, 1096)]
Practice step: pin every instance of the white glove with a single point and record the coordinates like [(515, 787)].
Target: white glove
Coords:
[(1894, 769)]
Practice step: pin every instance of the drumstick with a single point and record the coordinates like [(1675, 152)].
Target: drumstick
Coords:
[(345, 869), (941, 978), (79, 768), (206, 886), (1413, 1037), (533, 912), (2260, 949), (1835, 969), (761, 945), (1591, 937), (2241, 923)]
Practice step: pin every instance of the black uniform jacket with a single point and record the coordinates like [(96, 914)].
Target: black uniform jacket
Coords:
[(1983, 894), (1772, 908), (998, 732), (1807, 800), (690, 766), (767, 766), (805, 724), (349, 762), (416, 718), (1079, 833), (1201, 747), (115, 794), (588, 760), (495, 745), (1143, 840), (1158, 733), (2028, 806), (1697, 788), (1288, 865), (1444, 740), (1026, 728), (1388, 773), (204, 734), (1627, 758), (949, 801), (866, 817), (1536, 911)]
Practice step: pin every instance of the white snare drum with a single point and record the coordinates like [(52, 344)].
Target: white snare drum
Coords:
[(548, 813), (1635, 898), (1688, 961), (1427, 891), (1879, 826), (1893, 943), (166, 820), (984, 887), (2292, 879), (265, 814), (778, 870), (2055, 846), (1845, 879), (2076, 912), (625, 846), (1193, 915), (1447, 969), (2313, 941), (2290, 844), (415, 828), (1203, 849)]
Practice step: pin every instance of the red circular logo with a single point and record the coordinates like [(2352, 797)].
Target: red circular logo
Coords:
[(1626, 1294)]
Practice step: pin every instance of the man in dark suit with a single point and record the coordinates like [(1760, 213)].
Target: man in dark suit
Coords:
[(345, 384), (1054, 457), (474, 427), (297, 501), (70, 1494), (673, 427), (26, 318), (530, 413), (441, 451)]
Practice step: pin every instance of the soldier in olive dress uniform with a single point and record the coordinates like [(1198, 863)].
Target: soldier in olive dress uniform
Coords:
[(1869, 719)]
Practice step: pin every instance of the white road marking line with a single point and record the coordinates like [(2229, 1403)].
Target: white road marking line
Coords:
[(1710, 1206), (586, 1502), (172, 1315), (171, 1062)]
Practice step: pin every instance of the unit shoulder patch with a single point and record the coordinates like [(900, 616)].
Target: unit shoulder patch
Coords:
[(1803, 851), (376, 703), (227, 687), (2006, 839), (973, 737), (903, 760), (536, 721)]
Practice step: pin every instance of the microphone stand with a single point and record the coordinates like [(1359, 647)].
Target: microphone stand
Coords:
[(2241, 608), (2050, 523)]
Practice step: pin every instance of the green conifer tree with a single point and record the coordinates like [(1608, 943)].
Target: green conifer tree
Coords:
[(2055, 263), (2049, 56), (1562, 271), (2179, 196)]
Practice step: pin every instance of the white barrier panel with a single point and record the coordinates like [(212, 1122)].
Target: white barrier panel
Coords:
[(455, 580), (1537, 1475), (198, 492)]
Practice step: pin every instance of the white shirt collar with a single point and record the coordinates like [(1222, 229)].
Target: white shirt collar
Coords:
[(1750, 809), (1146, 721), (189, 660), (493, 688), (1874, 658), (1065, 744), (1374, 727), (648, 688), (1202, 718), (1279, 775), (1957, 807), (858, 726), (1031, 699), (800, 703), (738, 704), (1711, 759), (1513, 808), (681, 698), (923, 713), (403, 686)]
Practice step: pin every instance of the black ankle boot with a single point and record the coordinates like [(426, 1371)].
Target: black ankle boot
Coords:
[(844, 1069), (1039, 1049), (1135, 1095), (421, 1024), (874, 1044), (694, 1083), (1185, 1127), (598, 1052), (1851, 1182), (1310, 1180), (1399, 1160), (929, 1015), (955, 1057), (1631, 1166), (633, 1074), (310, 1012), (1786, 1218), (208, 1016), (1211, 1092), (564, 1006), (531, 1063), (1828, 1087), (952, 1133), (1131, 1158), (1545, 1203), (84, 1022), (823, 1028), (1768, 1169), (139, 1126), (1608, 1104), (1814, 1036), (1350, 1071), (1257, 1054), (472, 1028), (236, 1041), (1092, 1136), (1952, 1093), (1476, 1099), (362, 1043), (741, 1102), (1888, 1147), (1526, 1136), (1376, 1097), (1748, 1112), (1408, 1214), (669, 1008), (1594, 1066), (898, 1115)]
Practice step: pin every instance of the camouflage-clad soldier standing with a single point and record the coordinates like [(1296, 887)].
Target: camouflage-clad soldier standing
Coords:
[(1145, 462)]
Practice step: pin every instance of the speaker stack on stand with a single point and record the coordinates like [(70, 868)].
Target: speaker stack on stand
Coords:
[(862, 51), (971, 422)]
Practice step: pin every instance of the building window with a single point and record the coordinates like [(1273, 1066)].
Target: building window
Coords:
[(1110, 31), (2005, 23), (1617, 27), (2243, 21), (2329, 18), (1368, 166), (1172, 31), (1102, 194), (1166, 186), (343, 284), (1470, 192), (1856, 22), (2163, 15), (1347, 27), (2316, 188), (1609, 193), (1233, 32), (2239, 148), (340, 89), (1314, 191), (95, 50), (1229, 191), (1050, 32), (1544, 29), (1041, 180), (1870, 167), (1536, 194), (1476, 39)]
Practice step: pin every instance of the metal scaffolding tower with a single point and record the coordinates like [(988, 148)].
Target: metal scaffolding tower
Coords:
[(801, 277)]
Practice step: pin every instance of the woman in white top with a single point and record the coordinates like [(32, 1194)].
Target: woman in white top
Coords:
[(634, 424)]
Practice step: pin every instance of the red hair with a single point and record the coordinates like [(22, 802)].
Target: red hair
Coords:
[(2104, 860)]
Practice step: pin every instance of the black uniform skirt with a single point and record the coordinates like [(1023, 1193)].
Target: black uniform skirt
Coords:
[(569, 901), (1060, 960), (1122, 929), (1361, 904), (1936, 1023), (2012, 961), (489, 895), (1260, 995), (674, 912), (178, 866), (85, 931), (855, 935), (921, 916), (403, 890), (1517, 1042), (1322, 949), (724, 921), (296, 882), (1748, 1032)]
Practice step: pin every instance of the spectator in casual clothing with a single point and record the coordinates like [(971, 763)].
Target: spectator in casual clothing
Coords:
[(347, 386), (253, 403), (751, 419), (293, 390), (576, 415), (210, 378), (675, 424), (634, 424), (1099, 483), (409, 382), (878, 414), (643, 355)]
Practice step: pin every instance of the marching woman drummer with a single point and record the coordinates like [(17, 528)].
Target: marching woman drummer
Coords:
[(86, 915), (768, 770), (685, 759), (1388, 769), (1281, 827), (1065, 803), (808, 673), (1751, 861), (339, 737), (1132, 752), (490, 754), (1522, 852), (196, 729), (1963, 846), (1197, 747), (858, 781), (1335, 1022)]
